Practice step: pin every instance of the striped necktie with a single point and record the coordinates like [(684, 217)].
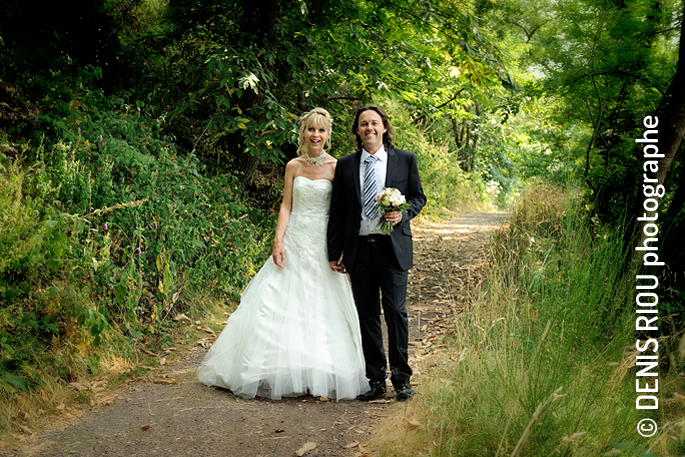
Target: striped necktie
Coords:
[(370, 190)]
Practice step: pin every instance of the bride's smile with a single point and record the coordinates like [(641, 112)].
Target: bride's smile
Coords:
[(315, 138)]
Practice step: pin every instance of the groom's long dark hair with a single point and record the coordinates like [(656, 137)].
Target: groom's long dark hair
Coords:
[(387, 136)]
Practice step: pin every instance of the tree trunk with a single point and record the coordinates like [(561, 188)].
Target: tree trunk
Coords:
[(671, 115), (671, 128)]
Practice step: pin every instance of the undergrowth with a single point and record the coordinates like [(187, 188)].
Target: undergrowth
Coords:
[(107, 232)]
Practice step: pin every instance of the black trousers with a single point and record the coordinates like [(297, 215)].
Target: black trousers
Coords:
[(375, 273)]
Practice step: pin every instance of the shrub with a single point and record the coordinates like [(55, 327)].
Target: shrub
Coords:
[(110, 234)]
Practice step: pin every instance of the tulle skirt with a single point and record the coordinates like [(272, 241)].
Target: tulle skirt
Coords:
[(295, 332)]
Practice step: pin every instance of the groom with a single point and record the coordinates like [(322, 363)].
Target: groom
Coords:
[(376, 261)]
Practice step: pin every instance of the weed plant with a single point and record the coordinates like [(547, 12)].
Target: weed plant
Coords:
[(540, 362)]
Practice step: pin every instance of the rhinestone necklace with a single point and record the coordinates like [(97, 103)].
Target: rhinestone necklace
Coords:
[(318, 160)]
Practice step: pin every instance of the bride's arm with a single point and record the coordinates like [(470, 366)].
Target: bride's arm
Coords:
[(278, 253)]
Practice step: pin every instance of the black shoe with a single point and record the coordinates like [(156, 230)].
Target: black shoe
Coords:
[(377, 389), (404, 392)]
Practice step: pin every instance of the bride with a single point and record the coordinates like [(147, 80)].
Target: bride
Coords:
[(296, 329)]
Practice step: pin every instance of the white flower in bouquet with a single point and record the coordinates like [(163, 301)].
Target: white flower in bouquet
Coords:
[(390, 199)]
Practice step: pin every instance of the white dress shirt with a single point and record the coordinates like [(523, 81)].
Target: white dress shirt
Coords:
[(369, 226)]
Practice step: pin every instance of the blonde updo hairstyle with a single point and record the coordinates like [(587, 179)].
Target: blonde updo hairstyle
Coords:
[(317, 118)]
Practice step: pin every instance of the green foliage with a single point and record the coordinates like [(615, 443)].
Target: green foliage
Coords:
[(135, 17), (601, 68), (445, 184), (111, 231), (247, 82)]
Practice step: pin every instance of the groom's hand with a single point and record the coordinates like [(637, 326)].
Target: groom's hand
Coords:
[(337, 265), (393, 217)]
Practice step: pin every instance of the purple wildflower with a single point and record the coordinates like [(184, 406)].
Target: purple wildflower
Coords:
[(100, 138), (156, 225), (106, 227), (138, 251)]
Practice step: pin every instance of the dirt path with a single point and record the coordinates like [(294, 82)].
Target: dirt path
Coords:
[(177, 416)]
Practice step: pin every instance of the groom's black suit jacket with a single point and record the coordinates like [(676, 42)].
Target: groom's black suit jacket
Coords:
[(346, 206)]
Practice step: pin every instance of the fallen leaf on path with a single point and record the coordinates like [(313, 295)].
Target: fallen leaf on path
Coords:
[(162, 361), (145, 427), (106, 401), (25, 429), (60, 406), (206, 342), (204, 328), (306, 448), (165, 381), (182, 317), (324, 399), (351, 445)]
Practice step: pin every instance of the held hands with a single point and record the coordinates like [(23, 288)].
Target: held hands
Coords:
[(278, 254), (337, 265)]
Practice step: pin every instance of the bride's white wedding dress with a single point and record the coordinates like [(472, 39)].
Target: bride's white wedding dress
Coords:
[(296, 330)]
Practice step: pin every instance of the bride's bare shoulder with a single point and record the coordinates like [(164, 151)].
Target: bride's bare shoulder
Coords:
[(295, 164)]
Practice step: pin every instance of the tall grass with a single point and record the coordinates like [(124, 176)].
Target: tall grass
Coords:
[(538, 362)]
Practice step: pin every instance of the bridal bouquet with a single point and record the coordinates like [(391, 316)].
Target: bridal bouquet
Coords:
[(390, 199)]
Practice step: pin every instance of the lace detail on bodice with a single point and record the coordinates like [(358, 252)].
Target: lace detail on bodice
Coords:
[(306, 232)]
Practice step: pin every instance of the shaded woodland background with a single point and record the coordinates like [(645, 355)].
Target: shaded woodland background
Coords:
[(142, 143)]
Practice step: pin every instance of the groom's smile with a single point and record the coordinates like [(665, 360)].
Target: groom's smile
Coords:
[(370, 129)]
